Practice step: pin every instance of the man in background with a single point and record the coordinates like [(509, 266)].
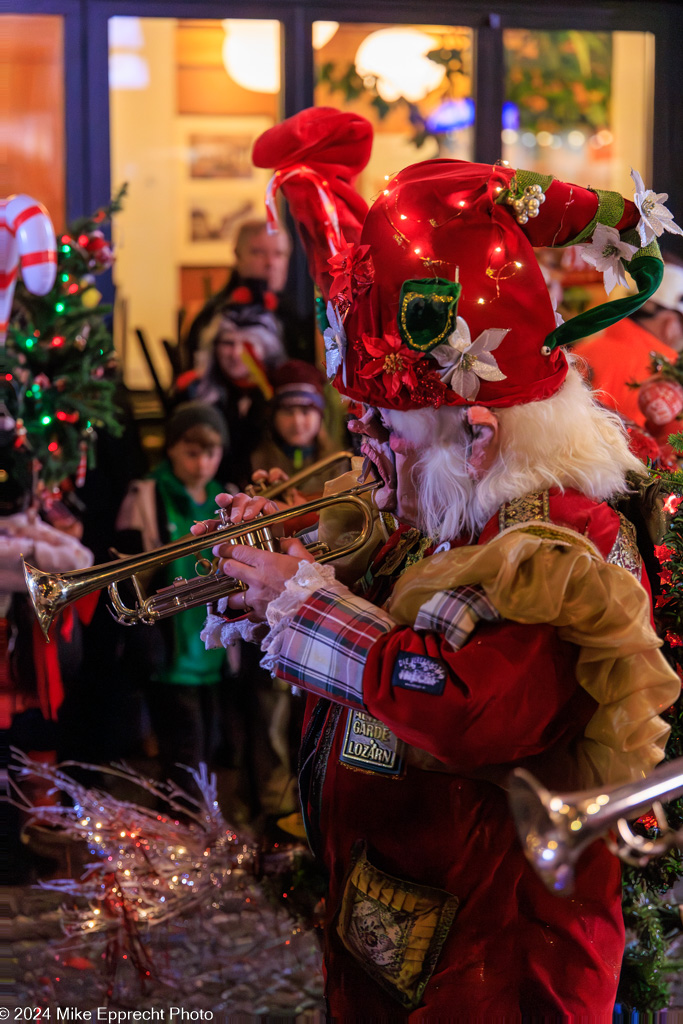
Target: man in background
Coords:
[(259, 257), (622, 354)]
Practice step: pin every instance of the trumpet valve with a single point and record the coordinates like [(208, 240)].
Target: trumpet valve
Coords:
[(264, 539)]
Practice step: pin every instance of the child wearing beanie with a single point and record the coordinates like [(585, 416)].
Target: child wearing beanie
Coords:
[(297, 437), (181, 678)]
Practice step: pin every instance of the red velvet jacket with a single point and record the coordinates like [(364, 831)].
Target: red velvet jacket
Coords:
[(510, 694)]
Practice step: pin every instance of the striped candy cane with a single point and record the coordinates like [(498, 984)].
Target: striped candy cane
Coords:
[(27, 241)]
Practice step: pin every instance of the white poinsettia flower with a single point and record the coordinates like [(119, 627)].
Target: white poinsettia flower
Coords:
[(655, 219), (559, 319), (605, 253), (465, 363), (334, 337)]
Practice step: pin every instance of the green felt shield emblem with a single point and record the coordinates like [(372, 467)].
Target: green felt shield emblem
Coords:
[(427, 312)]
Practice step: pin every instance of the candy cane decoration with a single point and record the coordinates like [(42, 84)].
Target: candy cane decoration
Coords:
[(330, 218), (27, 240)]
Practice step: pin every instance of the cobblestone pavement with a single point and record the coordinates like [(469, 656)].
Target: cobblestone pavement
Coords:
[(243, 962)]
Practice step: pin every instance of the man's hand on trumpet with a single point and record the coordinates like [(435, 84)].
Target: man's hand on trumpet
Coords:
[(263, 572)]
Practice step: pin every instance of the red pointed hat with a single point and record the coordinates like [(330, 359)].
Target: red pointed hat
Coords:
[(434, 295)]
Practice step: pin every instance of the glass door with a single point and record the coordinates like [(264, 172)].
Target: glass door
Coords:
[(34, 121), (413, 82), (187, 99)]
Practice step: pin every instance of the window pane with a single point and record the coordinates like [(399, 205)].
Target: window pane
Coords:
[(579, 105), (414, 83), (33, 121), (185, 110)]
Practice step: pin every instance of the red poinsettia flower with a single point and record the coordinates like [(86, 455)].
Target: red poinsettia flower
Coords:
[(392, 360), (352, 271)]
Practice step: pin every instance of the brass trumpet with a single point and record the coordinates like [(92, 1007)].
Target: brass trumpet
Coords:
[(51, 592), (275, 490), (554, 828)]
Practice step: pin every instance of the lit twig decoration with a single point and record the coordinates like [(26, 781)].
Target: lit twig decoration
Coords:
[(150, 866)]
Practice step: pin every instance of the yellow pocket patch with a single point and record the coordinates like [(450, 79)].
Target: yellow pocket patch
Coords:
[(395, 929)]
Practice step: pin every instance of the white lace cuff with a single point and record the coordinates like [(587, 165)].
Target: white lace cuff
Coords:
[(309, 578), (219, 632)]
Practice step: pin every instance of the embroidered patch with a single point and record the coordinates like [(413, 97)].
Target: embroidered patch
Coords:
[(370, 745), (394, 928), (419, 672)]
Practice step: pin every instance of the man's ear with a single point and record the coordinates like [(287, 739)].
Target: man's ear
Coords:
[(485, 444)]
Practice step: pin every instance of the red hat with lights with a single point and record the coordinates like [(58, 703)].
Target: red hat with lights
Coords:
[(434, 295)]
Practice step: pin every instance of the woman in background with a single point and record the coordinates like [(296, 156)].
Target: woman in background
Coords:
[(239, 346)]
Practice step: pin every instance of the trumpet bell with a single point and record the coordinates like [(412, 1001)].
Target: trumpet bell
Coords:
[(49, 593), (547, 838), (555, 828)]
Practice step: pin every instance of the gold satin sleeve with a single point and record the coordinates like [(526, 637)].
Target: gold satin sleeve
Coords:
[(540, 573)]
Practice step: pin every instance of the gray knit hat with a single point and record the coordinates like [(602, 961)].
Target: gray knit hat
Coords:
[(193, 414)]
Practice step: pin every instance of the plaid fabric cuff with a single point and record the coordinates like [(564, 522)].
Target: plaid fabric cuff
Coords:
[(307, 536), (324, 649), (455, 613)]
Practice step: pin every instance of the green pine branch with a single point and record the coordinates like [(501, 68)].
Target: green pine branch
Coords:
[(58, 351)]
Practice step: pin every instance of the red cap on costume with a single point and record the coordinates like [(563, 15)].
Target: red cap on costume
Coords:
[(436, 286)]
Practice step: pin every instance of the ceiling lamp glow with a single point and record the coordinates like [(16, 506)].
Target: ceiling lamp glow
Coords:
[(125, 33), (396, 57), (323, 32), (128, 71), (251, 53)]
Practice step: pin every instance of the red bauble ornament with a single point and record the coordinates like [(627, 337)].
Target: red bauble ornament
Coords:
[(660, 401)]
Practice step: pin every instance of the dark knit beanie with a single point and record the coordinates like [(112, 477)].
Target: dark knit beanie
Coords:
[(298, 383), (194, 414)]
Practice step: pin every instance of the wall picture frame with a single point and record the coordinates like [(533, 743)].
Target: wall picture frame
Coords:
[(218, 186)]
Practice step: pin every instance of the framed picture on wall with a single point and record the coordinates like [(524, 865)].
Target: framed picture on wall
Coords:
[(220, 156), (218, 187)]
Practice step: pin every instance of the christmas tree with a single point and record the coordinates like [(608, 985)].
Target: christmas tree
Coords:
[(56, 389), (649, 915)]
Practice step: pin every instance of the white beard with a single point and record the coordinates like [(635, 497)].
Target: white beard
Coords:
[(565, 441), (449, 500)]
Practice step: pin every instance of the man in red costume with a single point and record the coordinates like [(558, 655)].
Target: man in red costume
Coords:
[(621, 355), (500, 620)]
